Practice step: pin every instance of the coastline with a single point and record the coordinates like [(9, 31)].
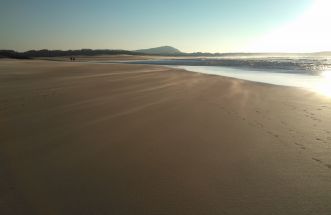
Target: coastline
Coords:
[(118, 138)]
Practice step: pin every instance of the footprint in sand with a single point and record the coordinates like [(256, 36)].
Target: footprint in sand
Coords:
[(259, 124), (321, 162), (301, 146), (317, 160), (273, 134)]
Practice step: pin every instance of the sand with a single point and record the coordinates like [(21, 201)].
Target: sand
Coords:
[(80, 138)]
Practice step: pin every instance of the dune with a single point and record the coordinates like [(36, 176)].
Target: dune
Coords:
[(80, 138)]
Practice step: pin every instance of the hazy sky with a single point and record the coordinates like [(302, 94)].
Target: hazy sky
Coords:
[(189, 25)]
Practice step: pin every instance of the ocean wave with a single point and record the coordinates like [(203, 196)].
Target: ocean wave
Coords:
[(312, 66)]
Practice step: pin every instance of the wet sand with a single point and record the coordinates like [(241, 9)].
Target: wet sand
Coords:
[(81, 138)]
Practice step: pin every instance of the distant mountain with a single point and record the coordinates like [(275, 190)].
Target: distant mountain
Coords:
[(163, 50)]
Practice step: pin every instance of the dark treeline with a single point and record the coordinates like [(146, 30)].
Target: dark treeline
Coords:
[(60, 53), (84, 52), (89, 52), (12, 54)]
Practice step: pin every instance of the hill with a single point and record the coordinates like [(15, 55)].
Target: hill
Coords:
[(163, 50)]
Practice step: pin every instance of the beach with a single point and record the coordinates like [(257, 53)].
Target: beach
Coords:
[(86, 138)]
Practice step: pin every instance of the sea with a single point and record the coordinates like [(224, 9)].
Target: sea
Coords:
[(309, 72)]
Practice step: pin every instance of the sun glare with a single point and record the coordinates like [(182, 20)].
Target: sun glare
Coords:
[(327, 75), (324, 87), (309, 33)]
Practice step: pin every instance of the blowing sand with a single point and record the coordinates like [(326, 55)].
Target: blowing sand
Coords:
[(79, 138)]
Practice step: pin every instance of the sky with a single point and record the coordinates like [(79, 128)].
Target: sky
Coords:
[(189, 25)]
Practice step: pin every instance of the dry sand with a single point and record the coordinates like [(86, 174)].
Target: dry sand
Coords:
[(81, 138)]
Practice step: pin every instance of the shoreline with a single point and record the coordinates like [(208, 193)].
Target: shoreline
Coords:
[(129, 60)]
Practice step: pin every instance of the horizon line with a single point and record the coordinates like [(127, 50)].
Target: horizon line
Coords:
[(181, 52)]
